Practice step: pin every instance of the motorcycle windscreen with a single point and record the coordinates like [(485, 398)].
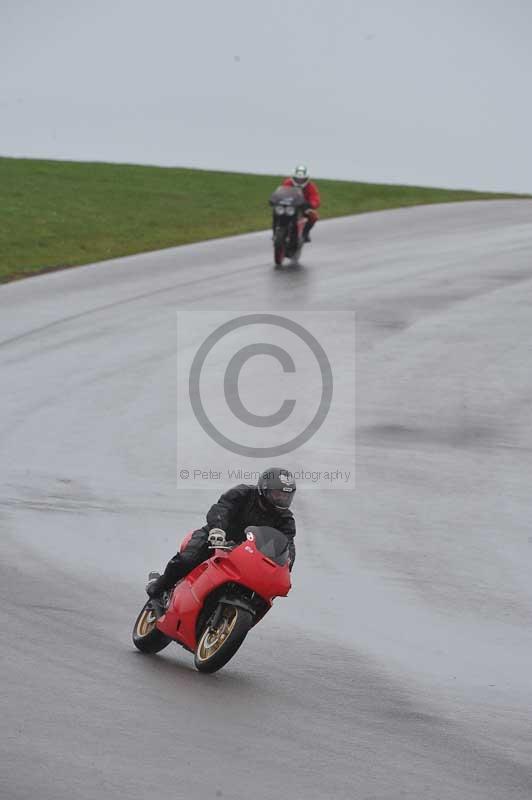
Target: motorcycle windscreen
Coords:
[(288, 193), (271, 543)]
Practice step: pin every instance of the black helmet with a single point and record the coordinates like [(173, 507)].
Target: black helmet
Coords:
[(277, 487)]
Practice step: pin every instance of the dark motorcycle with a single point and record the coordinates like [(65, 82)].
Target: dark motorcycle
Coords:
[(288, 204)]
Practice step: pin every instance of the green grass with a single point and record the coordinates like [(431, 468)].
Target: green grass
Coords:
[(56, 214)]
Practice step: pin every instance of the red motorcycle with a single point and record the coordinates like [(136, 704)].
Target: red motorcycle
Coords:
[(211, 610)]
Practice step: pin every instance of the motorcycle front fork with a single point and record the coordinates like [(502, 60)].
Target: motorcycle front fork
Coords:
[(293, 237)]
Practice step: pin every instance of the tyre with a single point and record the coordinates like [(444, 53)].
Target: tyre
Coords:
[(146, 637), (278, 247), (216, 647), (296, 256)]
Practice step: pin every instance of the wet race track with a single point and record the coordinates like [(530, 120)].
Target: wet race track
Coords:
[(399, 666)]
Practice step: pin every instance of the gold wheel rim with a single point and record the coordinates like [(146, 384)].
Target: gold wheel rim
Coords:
[(212, 640), (146, 622)]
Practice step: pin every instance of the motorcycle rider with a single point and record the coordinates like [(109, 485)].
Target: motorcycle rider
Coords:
[(300, 179), (267, 503)]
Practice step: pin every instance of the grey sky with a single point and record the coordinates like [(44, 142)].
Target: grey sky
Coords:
[(434, 92)]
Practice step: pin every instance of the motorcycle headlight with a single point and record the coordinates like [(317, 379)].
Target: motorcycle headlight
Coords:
[(290, 210), (279, 209)]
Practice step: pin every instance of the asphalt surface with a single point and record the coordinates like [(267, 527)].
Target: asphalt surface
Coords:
[(399, 666)]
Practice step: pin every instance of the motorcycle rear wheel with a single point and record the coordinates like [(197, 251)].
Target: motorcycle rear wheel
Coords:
[(216, 647), (296, 256), (146, 637)]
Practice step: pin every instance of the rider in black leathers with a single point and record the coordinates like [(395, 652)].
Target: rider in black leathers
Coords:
[(265, 504)]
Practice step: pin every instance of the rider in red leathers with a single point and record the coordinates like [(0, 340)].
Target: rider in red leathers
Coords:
[(300, 179)]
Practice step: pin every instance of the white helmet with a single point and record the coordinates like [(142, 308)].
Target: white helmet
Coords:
[(300, 176)]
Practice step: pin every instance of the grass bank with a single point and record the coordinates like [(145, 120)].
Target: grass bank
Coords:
[(56, 214)]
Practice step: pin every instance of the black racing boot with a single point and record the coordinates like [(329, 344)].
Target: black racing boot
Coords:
[(156, 585), (157, 590), (306, 232)]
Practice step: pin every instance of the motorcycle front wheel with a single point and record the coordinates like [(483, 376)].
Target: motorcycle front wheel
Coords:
[(217, 646), (146, 637), (278, 247)]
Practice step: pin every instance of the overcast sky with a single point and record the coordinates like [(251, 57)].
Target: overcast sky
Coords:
[(432, 92)]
